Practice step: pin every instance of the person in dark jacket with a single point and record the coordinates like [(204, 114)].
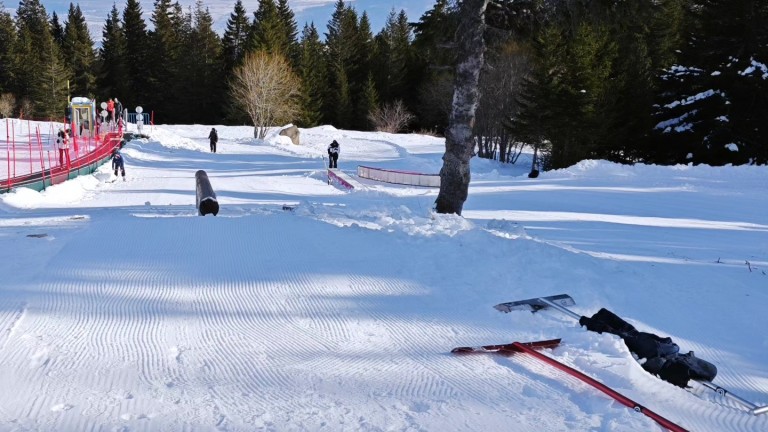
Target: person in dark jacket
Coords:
[(333, 154), (118, 108), (214, 137), (118, 163)]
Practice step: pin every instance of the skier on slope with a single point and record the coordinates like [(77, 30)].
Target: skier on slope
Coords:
[(333, 154), (117, 162)]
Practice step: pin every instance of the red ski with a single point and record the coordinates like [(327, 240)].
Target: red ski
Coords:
[(509, 348)]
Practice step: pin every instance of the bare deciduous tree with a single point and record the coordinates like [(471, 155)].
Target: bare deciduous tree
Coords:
[(266, 88), (25, 107), (7, 103), (500, 81), (392, 117)]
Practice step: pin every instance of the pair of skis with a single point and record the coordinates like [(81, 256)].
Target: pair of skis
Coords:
[(560, 303), (531, 348)]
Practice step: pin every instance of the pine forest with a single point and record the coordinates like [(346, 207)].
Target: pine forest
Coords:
[(644, 81)]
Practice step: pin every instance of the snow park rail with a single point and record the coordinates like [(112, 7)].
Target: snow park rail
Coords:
[(338, 176), (89, 155), (398, 177)]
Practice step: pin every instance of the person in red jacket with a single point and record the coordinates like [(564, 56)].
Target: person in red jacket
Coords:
[(111, 109)]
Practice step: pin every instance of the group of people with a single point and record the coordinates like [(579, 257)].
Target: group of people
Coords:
[(117, 159), (63, 139), (333, 149), (111, 114), (114, 106)]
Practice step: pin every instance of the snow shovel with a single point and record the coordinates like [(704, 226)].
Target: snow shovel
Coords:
[(561, 302), (532, 347)]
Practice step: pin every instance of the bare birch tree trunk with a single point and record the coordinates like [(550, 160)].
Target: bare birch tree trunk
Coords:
[(454, 176)]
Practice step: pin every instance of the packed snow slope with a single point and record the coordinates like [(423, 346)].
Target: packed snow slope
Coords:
[(121, 309)]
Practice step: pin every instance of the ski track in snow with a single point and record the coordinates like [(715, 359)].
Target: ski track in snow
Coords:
[(9, 319)]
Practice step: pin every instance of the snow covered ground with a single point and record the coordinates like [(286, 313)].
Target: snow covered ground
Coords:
[(122, 310)]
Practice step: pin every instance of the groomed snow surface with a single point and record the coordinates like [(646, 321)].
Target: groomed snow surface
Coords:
[(122, 310)]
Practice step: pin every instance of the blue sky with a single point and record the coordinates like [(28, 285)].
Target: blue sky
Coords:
[(317, 11)]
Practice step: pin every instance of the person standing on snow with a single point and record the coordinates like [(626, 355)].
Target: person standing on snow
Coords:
[(333, 154), (63, 141), (111, 110), (214, 137), (118, 109), (117, 163)]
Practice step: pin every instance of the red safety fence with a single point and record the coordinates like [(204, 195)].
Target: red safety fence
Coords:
[(28, 148)]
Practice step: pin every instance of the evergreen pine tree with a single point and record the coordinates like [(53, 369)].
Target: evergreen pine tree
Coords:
[(341, 42), (78, 53), (113, 73), (431, 71), (368, 102), (164, 52), (186, 70), (267, 33), (312, 68), (591, 56), (364, 95), (235, 39), (666, 33), (135, 57), (393, 45), (542, 116), (342, 113), (50, 94), (715, 107), (433, 34), (202, 62), (290, 28), (57, 31), (40, 73), (7, 41), (628, 112)]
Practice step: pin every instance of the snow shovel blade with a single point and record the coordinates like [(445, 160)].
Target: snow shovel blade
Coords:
[(535, 304)]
